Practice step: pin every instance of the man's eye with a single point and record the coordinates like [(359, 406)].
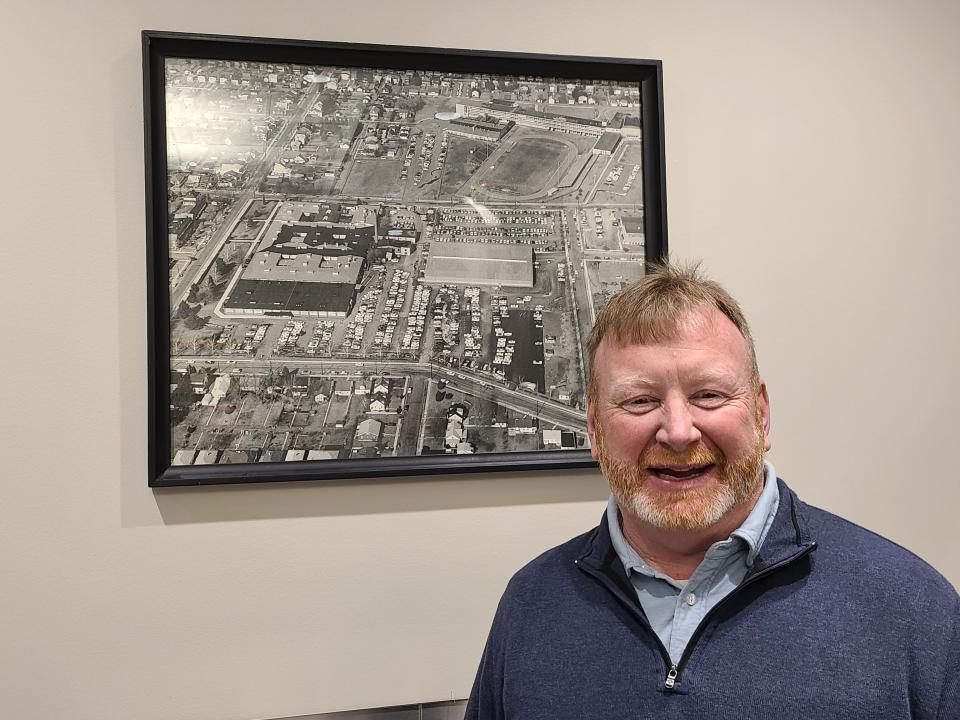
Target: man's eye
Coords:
[(641, 403), (708, 398)]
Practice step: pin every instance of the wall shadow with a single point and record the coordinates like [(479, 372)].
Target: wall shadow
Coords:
[(376, 496)]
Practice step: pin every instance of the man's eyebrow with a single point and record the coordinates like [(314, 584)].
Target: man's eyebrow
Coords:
[(634, 383), (714, 375), (639, 382)]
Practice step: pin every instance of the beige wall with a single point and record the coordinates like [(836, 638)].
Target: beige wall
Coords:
[(812, 162)]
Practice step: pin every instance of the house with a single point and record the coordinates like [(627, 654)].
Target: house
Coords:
[(206, 457), (378, 404), (280, 171), (236, 456), (513, 431), (198, 381), (299, 385), (272, 456), (184, 457), (455, 434), (220, 387), (552, 439), (323, 455), (368, 430), (293, 455)]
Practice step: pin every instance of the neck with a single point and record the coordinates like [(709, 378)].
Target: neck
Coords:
[(677, 553)]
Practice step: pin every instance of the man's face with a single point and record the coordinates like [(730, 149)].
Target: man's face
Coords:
[(679, 429)]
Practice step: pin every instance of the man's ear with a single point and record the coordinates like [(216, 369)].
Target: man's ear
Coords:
[(591, 428), (763, 403)]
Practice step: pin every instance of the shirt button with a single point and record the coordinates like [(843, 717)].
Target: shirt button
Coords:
[(691, 599)]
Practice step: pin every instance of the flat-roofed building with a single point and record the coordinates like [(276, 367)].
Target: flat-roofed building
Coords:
[(632, 229), (607, 143), (300, 299), (303, 267), (464, 263), (552, 438), (533, 118), (325, 238), (479, 129)]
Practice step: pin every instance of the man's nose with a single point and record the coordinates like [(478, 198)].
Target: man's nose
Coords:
[(677, 428)]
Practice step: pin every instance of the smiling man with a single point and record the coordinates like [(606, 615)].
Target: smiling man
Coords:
[(709, 590)]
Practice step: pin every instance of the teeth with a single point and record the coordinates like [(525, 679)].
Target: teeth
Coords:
[(680, 474)]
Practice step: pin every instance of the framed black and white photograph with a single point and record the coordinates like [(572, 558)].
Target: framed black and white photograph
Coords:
[(369, 261)]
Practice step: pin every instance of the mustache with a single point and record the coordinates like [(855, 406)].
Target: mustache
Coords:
[(660, 456)]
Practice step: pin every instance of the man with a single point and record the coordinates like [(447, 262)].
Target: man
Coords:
[(709, 590)]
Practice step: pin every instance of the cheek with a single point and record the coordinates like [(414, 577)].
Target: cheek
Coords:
[(732, 435), (628, 434)]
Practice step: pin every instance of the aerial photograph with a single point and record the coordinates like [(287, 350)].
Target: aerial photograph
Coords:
[(372, 263)]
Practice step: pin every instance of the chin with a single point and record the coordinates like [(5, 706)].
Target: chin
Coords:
[(678, 510)]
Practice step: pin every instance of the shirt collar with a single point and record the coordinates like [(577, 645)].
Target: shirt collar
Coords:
[(753, 530)]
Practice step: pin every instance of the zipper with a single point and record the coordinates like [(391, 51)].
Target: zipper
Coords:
[(673, 676), (632, 606), (674, 670)]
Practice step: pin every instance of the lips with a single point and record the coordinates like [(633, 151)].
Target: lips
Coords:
[(679, 472)]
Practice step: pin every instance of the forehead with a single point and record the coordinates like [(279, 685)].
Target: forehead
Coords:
[(705, 341)]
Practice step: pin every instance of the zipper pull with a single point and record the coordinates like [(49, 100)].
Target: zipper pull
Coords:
[(671, 677)]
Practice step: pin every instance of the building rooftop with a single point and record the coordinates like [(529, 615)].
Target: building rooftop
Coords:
[(607, 142), (304, 267), (480, 264), (291, 296), (632, 224)]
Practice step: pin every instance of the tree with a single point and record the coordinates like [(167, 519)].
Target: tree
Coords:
[(184, 310), (221, 268), (210, 288), (193, 322)]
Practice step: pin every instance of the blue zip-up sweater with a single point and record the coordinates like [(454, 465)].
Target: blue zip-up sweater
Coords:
[(832, 621)]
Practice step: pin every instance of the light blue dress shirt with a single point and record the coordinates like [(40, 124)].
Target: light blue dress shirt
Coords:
[(676, 607)]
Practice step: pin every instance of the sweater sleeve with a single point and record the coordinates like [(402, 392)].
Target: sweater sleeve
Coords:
[(486, 698), (950, 697)]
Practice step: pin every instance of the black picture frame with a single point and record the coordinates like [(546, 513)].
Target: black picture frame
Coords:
[(161, 47)]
